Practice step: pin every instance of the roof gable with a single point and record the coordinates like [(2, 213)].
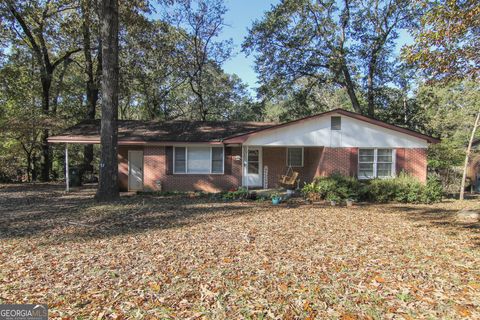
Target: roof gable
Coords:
[(241, 138)]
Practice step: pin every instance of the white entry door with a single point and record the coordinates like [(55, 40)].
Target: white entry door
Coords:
[(135, 170), (252, 167)]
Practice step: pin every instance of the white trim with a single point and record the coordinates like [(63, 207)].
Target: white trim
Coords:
[(245, 181), (128, 176), (303, 162), (199, 173)]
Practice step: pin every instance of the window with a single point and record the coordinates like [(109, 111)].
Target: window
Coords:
[(366, 163), (217, 160), (198, 160), (253, 161), (375, 163), (336, 123), (384, 163), (295, 157)]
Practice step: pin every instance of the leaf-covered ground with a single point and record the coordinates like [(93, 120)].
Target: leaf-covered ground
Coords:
[(153, 258)]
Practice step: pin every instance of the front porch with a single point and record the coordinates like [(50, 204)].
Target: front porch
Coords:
[(265, 165)]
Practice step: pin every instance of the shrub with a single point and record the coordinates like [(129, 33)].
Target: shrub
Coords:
[(433, 191), (403, 188), (309, 188), (334, 187), (378, 190), (240, 193)]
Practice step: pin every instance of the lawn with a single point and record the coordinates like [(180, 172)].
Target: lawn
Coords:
[(153, 257)]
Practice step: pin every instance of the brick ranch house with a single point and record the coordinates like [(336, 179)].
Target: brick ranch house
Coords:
[(222, 155)]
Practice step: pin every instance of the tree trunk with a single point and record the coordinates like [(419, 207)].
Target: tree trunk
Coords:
[(92, 98), (59, 87), (372, 69), (45, 155), (108, 182), (92, 84), (351, 89), (467, 156), (370, 90)]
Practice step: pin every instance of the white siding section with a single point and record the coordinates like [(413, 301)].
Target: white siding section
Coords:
[(354, 133)]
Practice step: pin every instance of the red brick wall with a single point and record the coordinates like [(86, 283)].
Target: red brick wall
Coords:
[(318, 161), (155, 171), (414, 162), (323, 161), (123, 165), (342, 160)]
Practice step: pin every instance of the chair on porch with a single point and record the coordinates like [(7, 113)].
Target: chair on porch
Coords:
[(289, 180)]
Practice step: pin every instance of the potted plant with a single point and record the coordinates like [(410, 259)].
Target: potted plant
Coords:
[(333, 198), (276, 199), (310, 192), (349, 202)]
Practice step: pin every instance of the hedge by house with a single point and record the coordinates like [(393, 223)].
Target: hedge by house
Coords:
[(403, 188)]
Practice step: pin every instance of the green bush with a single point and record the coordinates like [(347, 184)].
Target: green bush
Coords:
[(334, 187), (309, 188), (378, 190), (433, 191), (404, 188), (240, 193)]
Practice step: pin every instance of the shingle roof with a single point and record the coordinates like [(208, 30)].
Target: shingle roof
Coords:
[(234, 132), (155, 131)]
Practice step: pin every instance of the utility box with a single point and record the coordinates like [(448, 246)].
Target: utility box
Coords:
[(74, 177), (159, 185)]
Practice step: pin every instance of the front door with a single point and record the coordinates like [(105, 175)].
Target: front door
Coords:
[(135, 170), (252, 167)]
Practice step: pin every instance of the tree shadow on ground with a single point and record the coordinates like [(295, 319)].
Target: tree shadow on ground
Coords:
[(46, 211), (446, 218)]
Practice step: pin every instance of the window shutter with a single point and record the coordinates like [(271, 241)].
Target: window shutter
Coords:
[(353, 162), (228, 160), (400, 160), (169, 160)]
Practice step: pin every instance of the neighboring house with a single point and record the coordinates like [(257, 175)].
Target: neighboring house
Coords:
[(214, 156)]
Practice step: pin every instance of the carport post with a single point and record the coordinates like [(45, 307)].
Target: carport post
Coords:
[(67, 173)]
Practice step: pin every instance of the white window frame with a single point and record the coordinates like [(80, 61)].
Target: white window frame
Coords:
[(199, 173), (375, 162), (288, 165)]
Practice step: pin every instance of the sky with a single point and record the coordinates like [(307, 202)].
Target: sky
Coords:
[(240, 16)]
